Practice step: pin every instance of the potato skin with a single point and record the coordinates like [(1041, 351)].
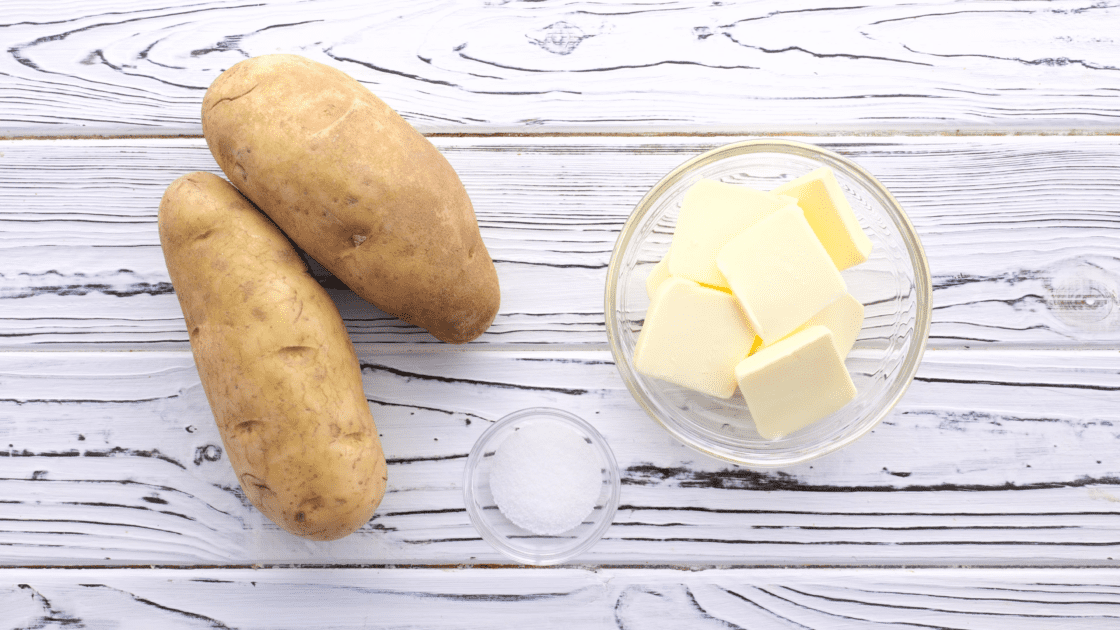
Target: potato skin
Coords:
[(275, 361), (355, 186)]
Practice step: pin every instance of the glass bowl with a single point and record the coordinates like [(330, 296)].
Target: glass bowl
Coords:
[(893, 285), (513, 541)]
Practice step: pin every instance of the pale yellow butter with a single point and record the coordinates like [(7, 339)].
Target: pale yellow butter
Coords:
[(795, 382), (712, 213), (780, 273), (694, 337), (657, 275), (844, 318), (660, 273), (829, 213)]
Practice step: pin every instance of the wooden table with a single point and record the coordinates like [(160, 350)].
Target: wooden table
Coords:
[(990, 498)]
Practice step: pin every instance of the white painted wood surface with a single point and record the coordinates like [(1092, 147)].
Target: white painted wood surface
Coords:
[(141, 66), (1021, 234), (993, 458), (561, 598), (118, 508)]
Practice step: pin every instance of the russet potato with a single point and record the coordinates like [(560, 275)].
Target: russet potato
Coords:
[(275, 361), (355, 186)]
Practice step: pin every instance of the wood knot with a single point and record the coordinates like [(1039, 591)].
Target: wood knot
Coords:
[(1084, 294), (559, 38)]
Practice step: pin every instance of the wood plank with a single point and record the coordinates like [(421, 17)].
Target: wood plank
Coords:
[(992, 458), (1021, 234), (767, 599), (141, 66)]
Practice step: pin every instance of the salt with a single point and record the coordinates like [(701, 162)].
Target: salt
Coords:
[(546, 478)]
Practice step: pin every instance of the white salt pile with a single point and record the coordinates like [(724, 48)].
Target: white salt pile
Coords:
[(546, 478)]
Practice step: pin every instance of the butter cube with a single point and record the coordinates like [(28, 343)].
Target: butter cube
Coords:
[(844, 318), (712, 213), (828, 211), (780, 273), (694, 337), (795, 382), (659, 274)]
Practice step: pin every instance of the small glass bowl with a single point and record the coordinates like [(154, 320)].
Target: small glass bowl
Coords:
[(893, 285), (513, 541)]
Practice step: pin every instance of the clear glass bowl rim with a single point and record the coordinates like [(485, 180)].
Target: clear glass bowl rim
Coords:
[(922, 283), (609, 508)]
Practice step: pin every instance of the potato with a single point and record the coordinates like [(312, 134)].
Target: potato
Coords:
[(275, 360), (357, 188)]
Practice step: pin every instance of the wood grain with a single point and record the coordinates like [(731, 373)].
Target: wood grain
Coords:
[(1021, 234), (561, 598), (111, 67), (995, 457), (1000, 455)]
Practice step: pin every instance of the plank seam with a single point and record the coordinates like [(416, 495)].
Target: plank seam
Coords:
[(650, 134)]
